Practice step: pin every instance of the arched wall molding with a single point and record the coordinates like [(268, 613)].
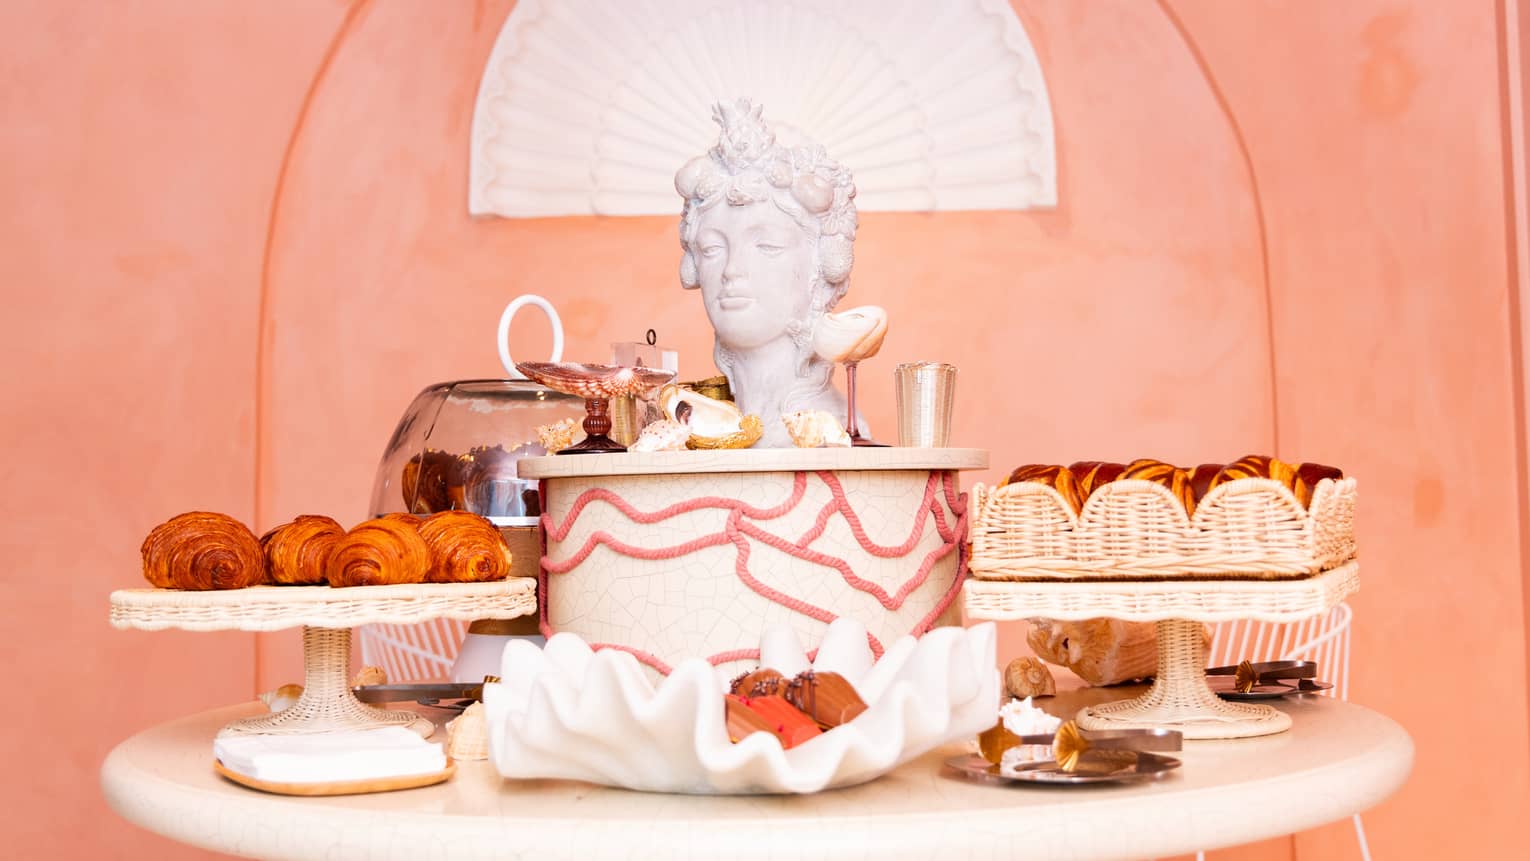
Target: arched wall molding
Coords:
[(587, 107)]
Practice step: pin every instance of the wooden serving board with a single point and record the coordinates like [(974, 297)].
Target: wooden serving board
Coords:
[(340, 787)]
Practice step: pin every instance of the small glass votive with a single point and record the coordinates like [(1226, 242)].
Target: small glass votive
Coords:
[(925, 391)]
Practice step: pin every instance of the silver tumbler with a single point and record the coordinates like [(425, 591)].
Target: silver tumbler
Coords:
[(925, 391)]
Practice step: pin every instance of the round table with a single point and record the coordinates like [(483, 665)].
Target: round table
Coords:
[(1336, 760)]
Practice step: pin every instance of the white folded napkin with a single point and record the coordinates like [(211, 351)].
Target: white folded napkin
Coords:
[(329, 757)]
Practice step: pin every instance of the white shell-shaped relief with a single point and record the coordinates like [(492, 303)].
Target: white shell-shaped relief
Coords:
[(590, 106), (852, 335), (815, 429)]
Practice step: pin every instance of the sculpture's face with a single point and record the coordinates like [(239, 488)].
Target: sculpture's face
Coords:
[(756, 270)]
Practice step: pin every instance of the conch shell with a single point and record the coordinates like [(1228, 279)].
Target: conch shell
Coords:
[(1100, 651), (852, 335), (712, 423), (662, 435), (467, 735), (1029, 677), (369, 676), (815, 429)]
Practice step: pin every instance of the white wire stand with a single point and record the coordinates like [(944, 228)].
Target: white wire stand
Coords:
[(326, 615), (1179, 698)]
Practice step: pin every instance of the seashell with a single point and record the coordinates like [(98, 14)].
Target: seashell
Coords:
[(467, 735), (850, 336), (1029, 677), (662, 435), (1100, 651), (712, 423), (815, 429), (557, 436), (1069, 746), (282, 698), (749, 432), (369, 676)]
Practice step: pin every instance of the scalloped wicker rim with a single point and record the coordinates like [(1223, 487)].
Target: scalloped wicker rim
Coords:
[(272, 608), (1156, 600), (1201, 556)]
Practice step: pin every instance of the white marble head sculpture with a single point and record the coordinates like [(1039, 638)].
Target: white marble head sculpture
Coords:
[(767, 232)]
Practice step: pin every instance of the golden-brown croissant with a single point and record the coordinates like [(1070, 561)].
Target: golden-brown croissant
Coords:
[(464, 548), (202, 550), (380, 552), (1091, 474), (296, 551)]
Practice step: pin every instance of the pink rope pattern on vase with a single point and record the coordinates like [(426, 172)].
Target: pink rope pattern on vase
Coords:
[(738, 532)]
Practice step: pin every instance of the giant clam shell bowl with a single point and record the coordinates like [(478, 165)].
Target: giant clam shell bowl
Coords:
[(565, 711)]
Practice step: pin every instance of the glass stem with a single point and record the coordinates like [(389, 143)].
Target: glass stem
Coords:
[(850, 427)]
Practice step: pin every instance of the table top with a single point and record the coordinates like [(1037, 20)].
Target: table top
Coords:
[(1336, 760), (752, 460)]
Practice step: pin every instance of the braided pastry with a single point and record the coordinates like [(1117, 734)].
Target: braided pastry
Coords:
[(296, 551), (202, 550), (1175, 479), (464, 548), (1091, 474), (1055, 477), (380, 552)]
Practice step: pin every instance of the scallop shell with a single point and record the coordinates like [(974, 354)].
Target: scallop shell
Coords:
[(467, 735), (1029, 677), (282, 698), (852, 335), (815, 429), (662, 435)]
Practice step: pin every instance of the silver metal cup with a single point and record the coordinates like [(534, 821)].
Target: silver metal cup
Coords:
[(925, 391)]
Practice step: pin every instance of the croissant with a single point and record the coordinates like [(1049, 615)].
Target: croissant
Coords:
[(464, 548), (296, 551), (428, 481), (379, 552), (202, 550)]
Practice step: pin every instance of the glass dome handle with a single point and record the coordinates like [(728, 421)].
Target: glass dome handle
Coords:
[(503, 341)]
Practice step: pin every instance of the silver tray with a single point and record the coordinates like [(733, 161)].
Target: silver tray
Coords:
[(1105, 766)]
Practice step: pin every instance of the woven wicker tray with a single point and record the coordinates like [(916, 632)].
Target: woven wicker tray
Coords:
[(272, 608), (1249, 529)]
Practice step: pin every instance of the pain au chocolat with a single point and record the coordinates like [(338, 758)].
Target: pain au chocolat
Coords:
[(380, 552), (464, 548), (200, 551), (297, 551)]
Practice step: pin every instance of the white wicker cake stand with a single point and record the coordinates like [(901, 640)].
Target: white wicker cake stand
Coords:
[(327, 616), (1180, 698)]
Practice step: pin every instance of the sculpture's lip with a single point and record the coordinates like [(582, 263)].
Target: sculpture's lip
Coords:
[(733, 303)]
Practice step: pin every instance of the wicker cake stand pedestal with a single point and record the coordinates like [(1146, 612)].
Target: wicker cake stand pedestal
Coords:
[(327, 616), (1179, 698)]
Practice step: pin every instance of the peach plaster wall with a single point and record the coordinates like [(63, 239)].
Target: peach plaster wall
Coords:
[(1252, 252)]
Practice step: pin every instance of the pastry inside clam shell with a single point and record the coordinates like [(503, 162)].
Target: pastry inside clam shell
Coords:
[(712, 423)]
